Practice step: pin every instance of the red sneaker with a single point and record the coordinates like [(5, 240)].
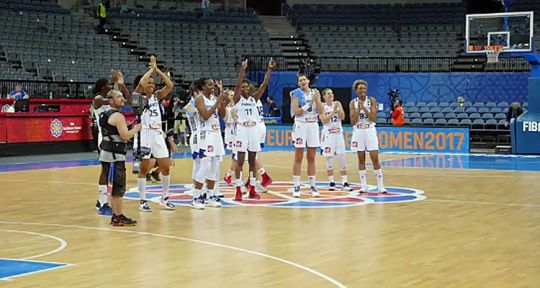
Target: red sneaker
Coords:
[(266, 180), (238, 196), (254, 195), (228, 179)]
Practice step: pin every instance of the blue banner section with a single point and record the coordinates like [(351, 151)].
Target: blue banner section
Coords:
[(12, 267), (415, 87), (391, 139), (525, 130)]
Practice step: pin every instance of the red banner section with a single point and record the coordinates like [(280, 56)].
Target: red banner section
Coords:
[(44, 127)]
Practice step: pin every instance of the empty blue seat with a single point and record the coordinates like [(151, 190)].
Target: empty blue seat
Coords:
[(447, 110), (427, 115), (465, 122), (478, 124), (487, 116), (495, 110), (444, 104), (450, 115), (475, 116), (490, 124), (441, 122), (428, 121), (491, 104), (471, 110), (435, 110), (478, 104), (438, 116), (411, 109), (423, 109), (503, 104), (452, 122), (432, 104), (416, 121), (420, 104), (499, 116), (415, 115), (483, 110), (459, 110)]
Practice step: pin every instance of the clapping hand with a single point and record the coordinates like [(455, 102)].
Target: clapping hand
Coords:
[(153, 63), (271, 63)]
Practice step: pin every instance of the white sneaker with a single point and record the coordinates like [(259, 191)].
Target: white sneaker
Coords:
[(219, 194), (346, 187), (165, 204), (314, 192), (144, 206), (382, 190), (213, 202), (197, 204), (296, 192), (259, 188)]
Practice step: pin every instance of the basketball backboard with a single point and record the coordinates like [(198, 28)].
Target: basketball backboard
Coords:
[(512, 30)]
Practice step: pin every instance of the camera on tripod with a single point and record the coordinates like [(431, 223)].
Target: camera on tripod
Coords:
[(394, 95), (138, 104)]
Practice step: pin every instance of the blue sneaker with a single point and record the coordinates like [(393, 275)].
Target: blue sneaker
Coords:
[(105, 210)]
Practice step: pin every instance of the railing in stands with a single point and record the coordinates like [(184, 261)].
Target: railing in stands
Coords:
[(49, 89)]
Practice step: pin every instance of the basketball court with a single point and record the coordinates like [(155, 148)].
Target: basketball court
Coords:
[(448, 221)]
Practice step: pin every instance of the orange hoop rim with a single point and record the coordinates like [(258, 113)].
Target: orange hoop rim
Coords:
[(495, 48)]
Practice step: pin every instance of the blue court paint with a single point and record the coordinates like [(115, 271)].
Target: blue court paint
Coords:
[(10, 268)]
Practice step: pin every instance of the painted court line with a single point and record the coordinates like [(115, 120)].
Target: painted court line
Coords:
[(299, 266), (483, 203), (63, 243)]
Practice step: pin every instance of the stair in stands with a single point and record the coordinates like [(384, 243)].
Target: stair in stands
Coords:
[(293, 46)]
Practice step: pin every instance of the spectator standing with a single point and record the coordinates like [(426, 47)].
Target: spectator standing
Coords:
[(514, 111)]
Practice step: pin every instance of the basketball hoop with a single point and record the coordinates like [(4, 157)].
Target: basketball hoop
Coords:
[(492, 53)]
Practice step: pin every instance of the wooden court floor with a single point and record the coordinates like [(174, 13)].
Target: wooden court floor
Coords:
[(476, 228)]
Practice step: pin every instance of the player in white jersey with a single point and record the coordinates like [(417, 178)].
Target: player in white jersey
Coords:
[(363, 112), (305, 106), (152, 140), (230, 131), (209, 108), (332, 142), (265, 178), (247, 130), (194, 122)]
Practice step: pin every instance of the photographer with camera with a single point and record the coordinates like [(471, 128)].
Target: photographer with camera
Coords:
[(394, 94), (398, 116), (100, 105), (152, 141), (112, 155)]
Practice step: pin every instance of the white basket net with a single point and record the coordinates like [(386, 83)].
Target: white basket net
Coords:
[(492, 53)]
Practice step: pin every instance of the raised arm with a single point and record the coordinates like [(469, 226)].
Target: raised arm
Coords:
[(260, 91), (163, 92), (298, 111), (339, 110), (201, 108), (325, 118), (318, 101), (353, 112), (119, 84), (243, 66), (372, 113)]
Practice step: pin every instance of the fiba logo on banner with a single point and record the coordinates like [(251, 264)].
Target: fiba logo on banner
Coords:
[(531, 126), (56, 128)]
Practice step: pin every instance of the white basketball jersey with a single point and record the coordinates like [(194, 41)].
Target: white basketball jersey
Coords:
[(246, 110), (334, 125), (311, 114), (362, 116), (229, 119), (192, 116), (151, 117), (212, 124), (260, 109)]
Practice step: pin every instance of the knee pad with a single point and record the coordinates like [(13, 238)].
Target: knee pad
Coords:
[(330, 163), (204, 169), (342, 163)]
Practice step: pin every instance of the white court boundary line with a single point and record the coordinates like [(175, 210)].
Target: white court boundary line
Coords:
[(299, 266), (63, 243)]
